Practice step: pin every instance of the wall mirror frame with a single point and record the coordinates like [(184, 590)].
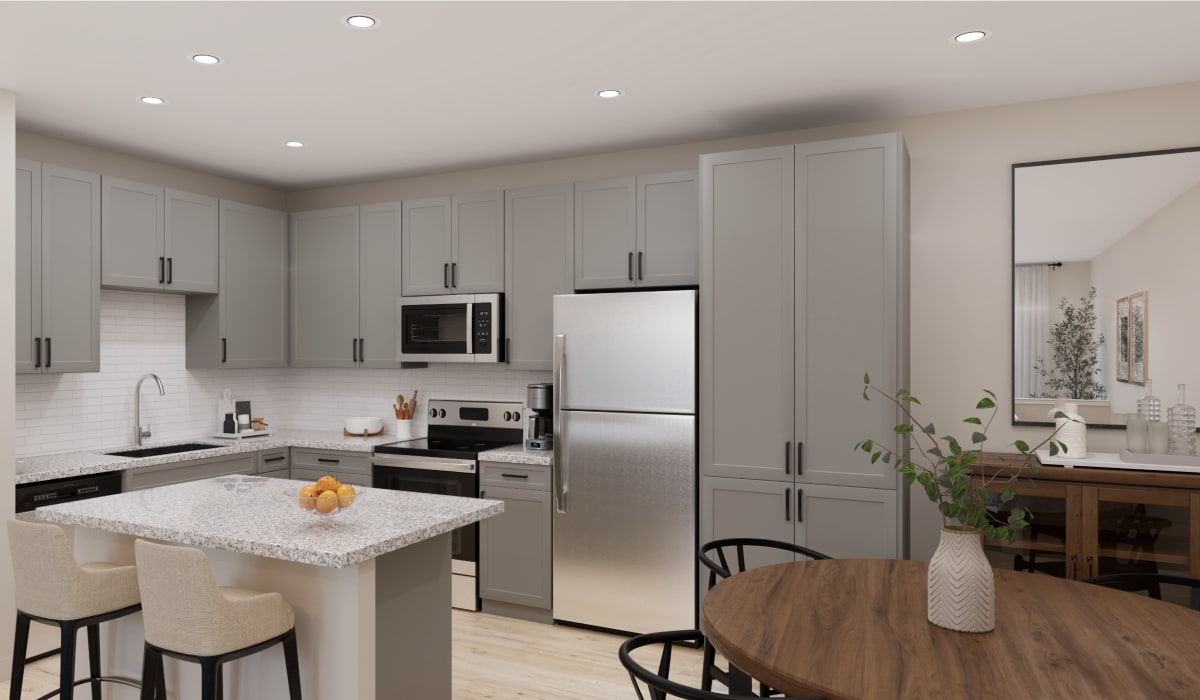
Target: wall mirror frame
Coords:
[(1127, 226)]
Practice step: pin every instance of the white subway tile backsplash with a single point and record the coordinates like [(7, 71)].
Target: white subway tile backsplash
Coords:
[(144, 332)]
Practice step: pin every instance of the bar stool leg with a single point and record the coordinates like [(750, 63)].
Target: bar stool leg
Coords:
[(208, 678), (292, 659), (220, 682), (66, 672), (20, 647), (150, 673), (710, 657), (160, 686), (93, 636)]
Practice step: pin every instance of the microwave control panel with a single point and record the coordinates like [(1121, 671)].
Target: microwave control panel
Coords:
[(482, 324)]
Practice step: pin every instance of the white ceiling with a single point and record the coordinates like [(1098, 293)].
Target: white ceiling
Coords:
[(440, 86)]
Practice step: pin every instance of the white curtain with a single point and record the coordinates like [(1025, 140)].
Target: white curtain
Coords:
[(1031, 299)]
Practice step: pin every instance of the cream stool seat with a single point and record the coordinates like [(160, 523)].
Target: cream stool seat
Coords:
[(188, 616), (52, 588)]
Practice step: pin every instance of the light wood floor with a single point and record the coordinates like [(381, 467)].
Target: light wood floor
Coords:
[(497, 658)]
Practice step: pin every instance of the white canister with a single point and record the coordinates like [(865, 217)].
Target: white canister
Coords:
[(1072, 430), (404, 429)]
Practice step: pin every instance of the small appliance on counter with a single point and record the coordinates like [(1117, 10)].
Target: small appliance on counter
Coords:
[(539, 407)]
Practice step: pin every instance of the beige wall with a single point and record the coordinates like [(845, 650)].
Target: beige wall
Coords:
[(97, 160), (961, 209), (8, 216)]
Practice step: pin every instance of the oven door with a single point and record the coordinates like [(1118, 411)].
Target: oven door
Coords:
[(444, 477), (450, 328)]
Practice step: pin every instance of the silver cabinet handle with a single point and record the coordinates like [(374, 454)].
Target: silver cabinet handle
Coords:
[(560, 472), (640, 266), (630, 266), (446, 275)]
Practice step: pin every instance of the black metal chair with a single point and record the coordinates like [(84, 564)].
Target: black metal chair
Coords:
[(1149, 582), (735, 548), (659, 686)]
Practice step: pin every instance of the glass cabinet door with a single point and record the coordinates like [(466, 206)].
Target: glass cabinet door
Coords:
[(1139, 530), (1050, 544)]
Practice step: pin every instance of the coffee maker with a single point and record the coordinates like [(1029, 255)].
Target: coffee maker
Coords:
[(539, 428)]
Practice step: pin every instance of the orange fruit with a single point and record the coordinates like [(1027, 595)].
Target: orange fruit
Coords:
[(327, 483), (345, 495), (326, 502), (307, 497)]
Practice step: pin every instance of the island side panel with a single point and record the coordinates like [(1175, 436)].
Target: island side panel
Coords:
[(412, 622)]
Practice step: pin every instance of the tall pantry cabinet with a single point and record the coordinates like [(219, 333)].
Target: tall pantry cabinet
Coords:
[(803, 289)]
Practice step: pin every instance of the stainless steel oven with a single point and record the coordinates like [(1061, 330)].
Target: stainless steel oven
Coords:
[(452, 328), (446, 463)]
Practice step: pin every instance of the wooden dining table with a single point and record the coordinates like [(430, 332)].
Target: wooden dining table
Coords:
[(857, 629)]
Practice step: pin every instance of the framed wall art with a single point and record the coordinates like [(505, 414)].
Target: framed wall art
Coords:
[(1139, 336), (1123, 339)]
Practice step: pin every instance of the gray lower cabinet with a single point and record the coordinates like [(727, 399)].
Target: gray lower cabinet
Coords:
[(245, 325), (57, 269), (515, 548), (539, 263), (453, 245), (157, 239), (271, 462), (345, 266), (345, 466), (179, 472)]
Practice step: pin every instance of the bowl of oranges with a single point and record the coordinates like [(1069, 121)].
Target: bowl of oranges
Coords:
[(326, 497)]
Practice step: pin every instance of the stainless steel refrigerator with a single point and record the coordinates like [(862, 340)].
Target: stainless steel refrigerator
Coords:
[(625, 460)]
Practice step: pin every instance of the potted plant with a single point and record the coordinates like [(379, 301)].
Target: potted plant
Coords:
[(961, 592)]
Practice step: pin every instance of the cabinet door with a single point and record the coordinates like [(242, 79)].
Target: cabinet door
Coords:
[(191, 243), (1143, 530), (131, 235), (848, 305), (1052, 542), (515, 548), (748, 508), (28, 270), (846, 522), (378, 283), (605, 233), (477, 258), (668, 230), (426, 247), (70, 270), (747, 378), (253, 298), (539, 263), (324, 288)]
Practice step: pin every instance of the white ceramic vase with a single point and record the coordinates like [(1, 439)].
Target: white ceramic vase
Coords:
[(404, 429), (962, 588), (1072, 430)]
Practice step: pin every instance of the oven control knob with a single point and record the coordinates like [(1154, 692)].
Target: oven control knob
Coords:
[(441, 413), (516, 416), (433, 413), (508, 415)]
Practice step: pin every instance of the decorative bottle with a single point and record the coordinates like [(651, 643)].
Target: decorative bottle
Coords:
[(1181, 425), (1149, 407)]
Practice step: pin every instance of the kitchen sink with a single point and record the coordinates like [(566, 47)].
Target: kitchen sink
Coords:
[(164, 450)]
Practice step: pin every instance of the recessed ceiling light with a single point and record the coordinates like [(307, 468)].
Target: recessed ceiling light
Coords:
[(360, 21), (971, 36), (206, 59), (152, 100), (294, 144), (608, 94)]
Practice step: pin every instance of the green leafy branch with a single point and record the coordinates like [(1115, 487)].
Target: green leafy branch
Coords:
[(942, 466)]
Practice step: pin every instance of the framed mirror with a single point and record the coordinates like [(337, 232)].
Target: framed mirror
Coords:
[(1095, 241)]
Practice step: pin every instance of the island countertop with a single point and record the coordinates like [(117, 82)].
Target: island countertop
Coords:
[(259, 516)]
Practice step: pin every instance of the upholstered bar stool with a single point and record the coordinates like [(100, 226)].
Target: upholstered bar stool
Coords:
[(52, 588), (189, 617)]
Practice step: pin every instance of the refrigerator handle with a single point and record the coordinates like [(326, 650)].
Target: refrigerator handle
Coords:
[(559, 470)]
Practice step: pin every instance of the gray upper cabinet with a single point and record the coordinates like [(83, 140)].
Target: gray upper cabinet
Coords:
[(344, 265), (246, 324), (605, 233), (539, 263), (639, 231), (157, 239), (748, 370), (324, 288), (28, 272), (69, 285), (453, 245)]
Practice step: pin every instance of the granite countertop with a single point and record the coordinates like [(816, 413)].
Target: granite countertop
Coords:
[(517, 454), (74, 464), (259, 516)]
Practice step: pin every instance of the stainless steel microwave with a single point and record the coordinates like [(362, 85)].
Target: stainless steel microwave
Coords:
[(452, 328)]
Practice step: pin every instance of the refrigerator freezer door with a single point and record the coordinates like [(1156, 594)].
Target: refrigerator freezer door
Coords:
[(625, 550), (632, 351)]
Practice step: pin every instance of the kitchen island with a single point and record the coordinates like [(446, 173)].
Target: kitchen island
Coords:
[(370, 585)]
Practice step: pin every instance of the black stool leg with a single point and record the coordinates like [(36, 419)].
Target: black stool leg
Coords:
[(710, 657), (20, 647), (208, 678), (93, 636), (292, 659), (220, 682), (150, 673), (160, 686), (66, 669)]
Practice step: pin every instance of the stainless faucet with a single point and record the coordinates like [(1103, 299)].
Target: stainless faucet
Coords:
[(138, 431)]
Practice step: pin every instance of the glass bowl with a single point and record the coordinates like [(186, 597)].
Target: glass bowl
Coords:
[(323, 509)]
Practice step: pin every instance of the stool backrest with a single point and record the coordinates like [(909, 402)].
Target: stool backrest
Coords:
[(180, 598), (45, 574)]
